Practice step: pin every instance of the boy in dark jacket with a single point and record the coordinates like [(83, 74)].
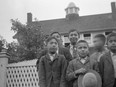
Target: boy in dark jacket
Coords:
[(52, 66), (61, 50), (107, 64)]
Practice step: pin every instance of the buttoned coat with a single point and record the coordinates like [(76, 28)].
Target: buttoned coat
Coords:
[(106, 69), (76, 64), (52, 71)]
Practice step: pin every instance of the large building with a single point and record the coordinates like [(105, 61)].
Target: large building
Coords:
[(88, 26)]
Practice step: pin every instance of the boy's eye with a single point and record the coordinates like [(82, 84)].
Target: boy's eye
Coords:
[(51, 43), (79, 47), (112, 41), (75, 34), (85, 47), (71, 35)]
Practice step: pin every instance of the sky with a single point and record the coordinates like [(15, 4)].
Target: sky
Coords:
[(44, 10)]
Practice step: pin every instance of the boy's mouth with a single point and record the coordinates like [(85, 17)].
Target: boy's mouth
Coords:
[(113, 46)]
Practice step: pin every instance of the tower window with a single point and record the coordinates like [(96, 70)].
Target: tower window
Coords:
[(71, 10)]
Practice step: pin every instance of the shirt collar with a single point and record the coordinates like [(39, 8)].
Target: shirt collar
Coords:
[(83, 58), (113, 54), (52, 57), (71, 46)]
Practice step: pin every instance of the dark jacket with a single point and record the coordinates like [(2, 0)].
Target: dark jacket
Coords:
[(106, 69), (76, 64), (68, 47), (52, 71)]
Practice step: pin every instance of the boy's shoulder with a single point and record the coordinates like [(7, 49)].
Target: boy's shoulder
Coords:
[(105, 55), (60, 56), (73, 61), (43, 57)]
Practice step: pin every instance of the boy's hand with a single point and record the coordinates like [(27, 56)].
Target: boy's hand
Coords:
[(81, 71)]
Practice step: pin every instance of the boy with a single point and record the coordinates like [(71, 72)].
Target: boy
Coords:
[(61, 50), (74, 35), (52, 66), (99, 42), (107, 64), (79, 65)]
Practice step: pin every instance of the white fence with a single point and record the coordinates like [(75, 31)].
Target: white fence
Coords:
[(23, 74)]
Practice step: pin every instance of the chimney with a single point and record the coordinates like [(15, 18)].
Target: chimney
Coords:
[(113, 6), (29, 18)]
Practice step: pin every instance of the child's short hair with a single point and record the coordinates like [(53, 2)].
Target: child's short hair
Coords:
[(82, 41), (110, 35), (55, 32), (72, 30), (101, 36), (50, 38)]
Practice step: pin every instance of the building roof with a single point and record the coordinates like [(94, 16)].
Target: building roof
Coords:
[(82, 24)]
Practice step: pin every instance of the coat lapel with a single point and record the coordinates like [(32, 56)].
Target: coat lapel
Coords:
[(48, 57), (109, 58)]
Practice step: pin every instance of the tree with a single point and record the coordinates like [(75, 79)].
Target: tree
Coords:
[(12, 50), (30, 39), (3, 43)]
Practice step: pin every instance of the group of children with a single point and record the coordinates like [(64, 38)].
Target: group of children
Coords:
[(57, 68)]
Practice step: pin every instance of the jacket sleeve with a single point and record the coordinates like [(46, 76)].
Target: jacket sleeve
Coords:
[(101, 68), (41, 72), (63, 73), (94, 65), (42, 53), (70, 73)]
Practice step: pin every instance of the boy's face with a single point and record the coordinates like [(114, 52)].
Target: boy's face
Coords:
[(98, 43), (52, 46), (112, 44), (73, 37), (82, 49)]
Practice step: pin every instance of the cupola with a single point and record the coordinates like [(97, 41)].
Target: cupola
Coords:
[(72, 11)]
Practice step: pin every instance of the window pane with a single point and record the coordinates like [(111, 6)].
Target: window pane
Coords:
[(87, 37)]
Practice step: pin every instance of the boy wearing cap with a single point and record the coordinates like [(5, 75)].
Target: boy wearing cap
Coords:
[(81, 64), (107, 65), (52, 66)]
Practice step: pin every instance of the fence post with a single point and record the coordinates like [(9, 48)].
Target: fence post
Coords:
[(3, 67)]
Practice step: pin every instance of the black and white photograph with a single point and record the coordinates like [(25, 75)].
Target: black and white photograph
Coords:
[(58, 43)]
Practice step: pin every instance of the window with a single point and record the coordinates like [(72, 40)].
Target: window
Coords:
[(71, 10), (87, 37), (108, 32)]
